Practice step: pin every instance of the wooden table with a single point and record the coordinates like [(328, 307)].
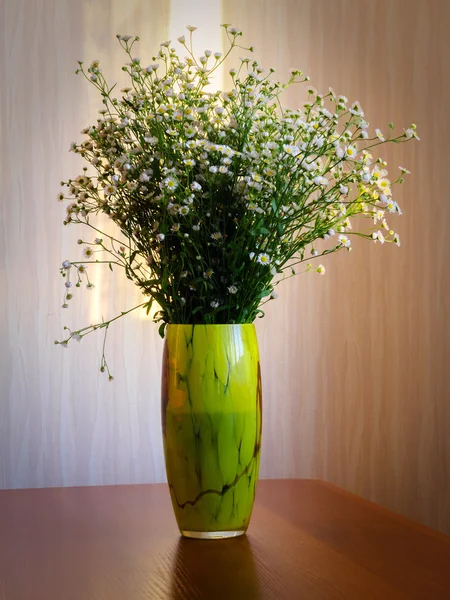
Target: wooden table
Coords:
[(307, 540)]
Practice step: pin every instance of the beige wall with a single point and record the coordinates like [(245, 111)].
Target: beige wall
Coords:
[(354, 364)]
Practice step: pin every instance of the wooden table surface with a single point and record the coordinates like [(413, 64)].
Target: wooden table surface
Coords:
[(307, 540)]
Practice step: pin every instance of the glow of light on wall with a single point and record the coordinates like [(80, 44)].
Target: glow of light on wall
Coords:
[(206, 15)]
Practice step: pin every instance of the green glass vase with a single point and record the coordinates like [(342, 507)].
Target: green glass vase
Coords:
[(211, 422)]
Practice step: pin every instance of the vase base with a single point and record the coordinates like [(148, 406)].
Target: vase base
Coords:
[(212, 535)]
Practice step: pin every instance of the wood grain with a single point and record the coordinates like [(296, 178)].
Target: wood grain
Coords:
[(307, 539), (354, 364)]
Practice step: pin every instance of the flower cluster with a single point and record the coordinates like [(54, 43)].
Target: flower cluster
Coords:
[(220, 195)]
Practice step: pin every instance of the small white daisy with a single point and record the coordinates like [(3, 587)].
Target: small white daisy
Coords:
[(170, 183), (350, 151), (378, 215), (321, 270), (190, 132), (109, 189), (343, 239), (384, 184), (356, 109), (291, 150), (391, 206), (377, 236), (263, 258), (411, 133)]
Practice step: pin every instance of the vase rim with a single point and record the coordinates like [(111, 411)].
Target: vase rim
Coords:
[(210, 325)]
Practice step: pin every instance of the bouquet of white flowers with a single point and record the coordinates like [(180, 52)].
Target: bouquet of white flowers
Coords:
[(221, 195)]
